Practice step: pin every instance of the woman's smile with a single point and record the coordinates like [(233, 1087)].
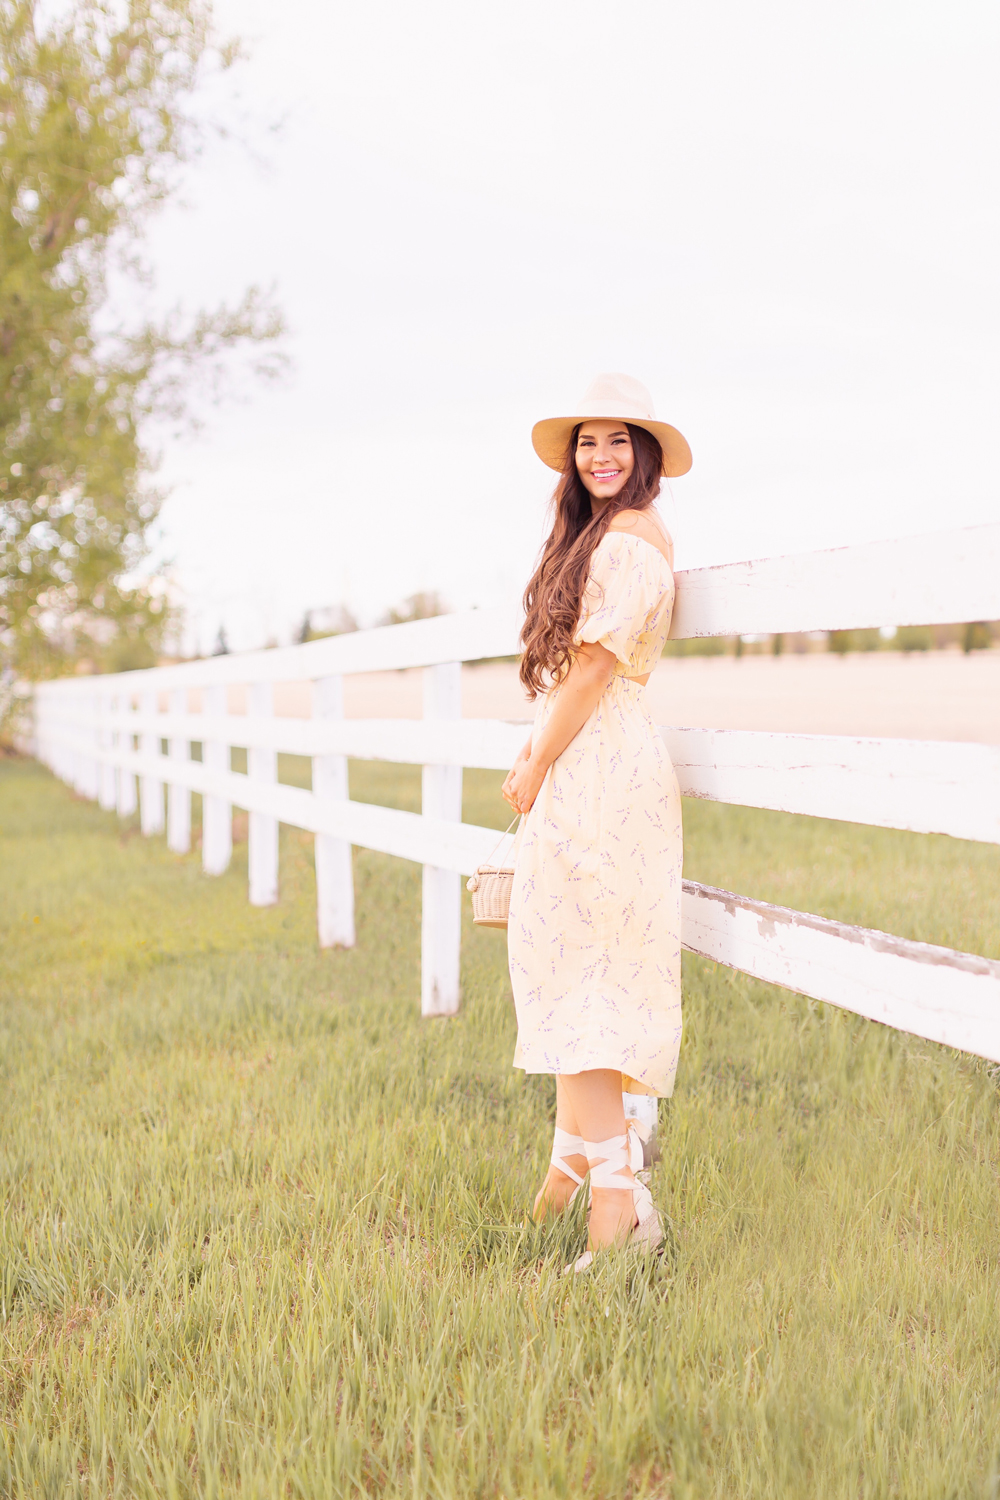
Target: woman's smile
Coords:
[(604, 458)]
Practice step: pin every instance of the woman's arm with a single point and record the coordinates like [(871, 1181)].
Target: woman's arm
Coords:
[(576, 700)]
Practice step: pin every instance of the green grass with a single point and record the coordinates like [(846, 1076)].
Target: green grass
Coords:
[(263, 1229)]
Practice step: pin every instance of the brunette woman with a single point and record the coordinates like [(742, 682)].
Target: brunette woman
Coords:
[(594, 927)]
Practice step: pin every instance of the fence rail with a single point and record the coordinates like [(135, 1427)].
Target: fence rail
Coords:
[(105, 737), (926, 786)]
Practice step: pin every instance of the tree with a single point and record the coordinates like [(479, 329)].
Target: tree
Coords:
[(976, 636), (94, 125), (318, 624), (422, 606)]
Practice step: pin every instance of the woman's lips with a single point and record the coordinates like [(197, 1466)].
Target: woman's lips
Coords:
[(604, 475)]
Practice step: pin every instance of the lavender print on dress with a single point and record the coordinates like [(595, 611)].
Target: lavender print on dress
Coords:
[(594, 930)]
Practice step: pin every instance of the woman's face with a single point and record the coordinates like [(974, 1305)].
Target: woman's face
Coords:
[(604, 459)]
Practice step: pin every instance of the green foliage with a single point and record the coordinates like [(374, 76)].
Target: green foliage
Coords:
[(319, 624), (703, 645), (264, 1230), (976, 636), (973, 637), (843, 641), (913, 638), (421, 606), (93, 129)]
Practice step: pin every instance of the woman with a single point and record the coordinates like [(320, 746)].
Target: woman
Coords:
[(594, 928)]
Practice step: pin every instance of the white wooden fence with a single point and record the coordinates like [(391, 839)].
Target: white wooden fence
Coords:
[(104, 736)]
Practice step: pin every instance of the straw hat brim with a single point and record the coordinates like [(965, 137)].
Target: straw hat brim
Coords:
[(550, 439)]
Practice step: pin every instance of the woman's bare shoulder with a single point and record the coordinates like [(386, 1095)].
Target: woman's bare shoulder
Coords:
[(644, 524)]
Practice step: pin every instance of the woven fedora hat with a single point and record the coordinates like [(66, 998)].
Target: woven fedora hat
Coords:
[(609, 397)]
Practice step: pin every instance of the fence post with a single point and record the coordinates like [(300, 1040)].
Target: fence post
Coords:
[(179, 797), (441, 914), (150, 787), (262, 765), (97, 738), (91, 705), (646, 1109), (334, 874), (127, 800), (108, 783), (216, 813), (75, 718)]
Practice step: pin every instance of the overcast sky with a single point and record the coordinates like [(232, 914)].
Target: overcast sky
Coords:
[(783, 218)]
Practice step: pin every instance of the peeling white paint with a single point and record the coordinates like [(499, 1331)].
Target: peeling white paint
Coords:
[(933, 992)]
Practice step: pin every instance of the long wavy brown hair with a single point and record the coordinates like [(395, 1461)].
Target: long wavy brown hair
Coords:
[(554, 594)]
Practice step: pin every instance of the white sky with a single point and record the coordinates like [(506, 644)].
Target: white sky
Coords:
[(783, 218)]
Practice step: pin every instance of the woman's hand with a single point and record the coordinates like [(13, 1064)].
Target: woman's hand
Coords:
[(515, 774), (575, 700), (523, 783)]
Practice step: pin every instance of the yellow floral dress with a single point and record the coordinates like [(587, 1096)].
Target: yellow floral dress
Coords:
[(594, 931)]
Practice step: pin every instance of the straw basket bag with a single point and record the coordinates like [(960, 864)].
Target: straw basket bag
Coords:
[(490, 887)]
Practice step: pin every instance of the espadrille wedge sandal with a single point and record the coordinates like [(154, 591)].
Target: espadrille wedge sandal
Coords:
[(608, 1158)]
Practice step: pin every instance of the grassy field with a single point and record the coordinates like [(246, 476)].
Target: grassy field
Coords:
[(263, 1230)]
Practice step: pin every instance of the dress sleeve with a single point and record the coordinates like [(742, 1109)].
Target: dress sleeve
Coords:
[(626, 584)]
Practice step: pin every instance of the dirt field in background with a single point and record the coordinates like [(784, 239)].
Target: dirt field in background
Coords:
[(934, 695)]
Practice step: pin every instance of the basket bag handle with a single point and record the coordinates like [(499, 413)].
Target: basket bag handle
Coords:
[(489, 859)]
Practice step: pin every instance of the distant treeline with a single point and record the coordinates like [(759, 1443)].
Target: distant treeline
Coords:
[(974, 635), (337, 619)]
